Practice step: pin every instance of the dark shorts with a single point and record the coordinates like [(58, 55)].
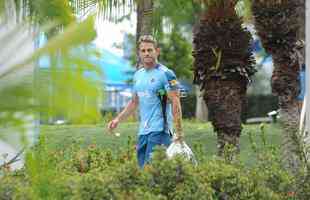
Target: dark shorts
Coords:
[(146, 144)]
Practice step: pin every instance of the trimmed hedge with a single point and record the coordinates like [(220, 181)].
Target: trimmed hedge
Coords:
[(260, 105), (256, 106), (188, 105)]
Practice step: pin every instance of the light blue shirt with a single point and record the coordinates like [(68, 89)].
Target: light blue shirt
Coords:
[(302, 81), (147, 83)]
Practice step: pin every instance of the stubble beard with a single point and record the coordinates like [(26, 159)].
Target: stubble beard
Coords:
[(150, 64)]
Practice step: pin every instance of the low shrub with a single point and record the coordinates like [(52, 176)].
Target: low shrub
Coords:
[(95, 174)]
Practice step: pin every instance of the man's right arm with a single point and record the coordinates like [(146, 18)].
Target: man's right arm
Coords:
[(128, 110)]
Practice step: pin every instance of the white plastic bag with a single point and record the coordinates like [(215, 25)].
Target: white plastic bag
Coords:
[(181, 148)]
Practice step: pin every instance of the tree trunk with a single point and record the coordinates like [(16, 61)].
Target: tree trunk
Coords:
[(144, 18), (302, 31), (285, 84), (201, 107), (222, 67), (144, 22), (224, 99), (307, 96), (282, 43), (307, 64)]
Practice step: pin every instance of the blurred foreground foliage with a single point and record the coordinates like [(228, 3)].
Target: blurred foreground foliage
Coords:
[(91, 172), (66, 87)]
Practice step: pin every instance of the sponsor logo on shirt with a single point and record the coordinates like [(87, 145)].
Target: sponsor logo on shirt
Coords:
[(173, 82)]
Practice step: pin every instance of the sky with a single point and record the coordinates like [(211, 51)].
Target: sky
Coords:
[(109, 33)]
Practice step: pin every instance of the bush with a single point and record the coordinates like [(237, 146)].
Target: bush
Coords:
[(94, 173), (256, 106), (188, 105), (8, 186)]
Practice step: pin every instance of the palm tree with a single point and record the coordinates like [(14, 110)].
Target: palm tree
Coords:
[(145, 21), (277, 24), (144, 18), (182, 14), (306, 105), (213, 58), (223, 66), (110, 10)]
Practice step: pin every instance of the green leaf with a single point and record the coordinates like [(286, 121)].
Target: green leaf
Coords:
[(56, 91), (218, 61), (77, 33), (1, 6)]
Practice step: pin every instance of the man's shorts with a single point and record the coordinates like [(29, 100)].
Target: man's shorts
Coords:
[(146, 144)]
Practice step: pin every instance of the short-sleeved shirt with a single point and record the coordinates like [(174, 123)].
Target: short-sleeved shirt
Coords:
[(147, 83)]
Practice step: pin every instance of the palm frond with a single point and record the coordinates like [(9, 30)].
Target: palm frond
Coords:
[(107, 9), (75, 34), (18, 90), (42, 11), (1, 6), (243, 8)]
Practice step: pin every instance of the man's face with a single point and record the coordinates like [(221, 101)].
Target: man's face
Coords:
[(148, 54)]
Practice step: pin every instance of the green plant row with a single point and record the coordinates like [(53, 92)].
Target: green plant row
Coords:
[(92, 172)]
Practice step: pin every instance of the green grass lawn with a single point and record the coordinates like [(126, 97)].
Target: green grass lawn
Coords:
[(197, 135)]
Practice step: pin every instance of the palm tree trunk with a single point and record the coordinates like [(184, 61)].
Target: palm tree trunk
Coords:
[(145, 18), (223, 64), (225, 98), (201, 107), (144, 22), (307, 23), (277, 24), (307, 96), (302, 31)]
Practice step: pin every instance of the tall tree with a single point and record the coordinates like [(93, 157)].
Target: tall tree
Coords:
[(278, 25), (181, 14), (213, 58), (223, 66), (144, 18), (307, 102), (145, 21)]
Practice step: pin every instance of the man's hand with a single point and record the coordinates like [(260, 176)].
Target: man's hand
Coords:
[(178, 138), (130, 107), (113, 124)]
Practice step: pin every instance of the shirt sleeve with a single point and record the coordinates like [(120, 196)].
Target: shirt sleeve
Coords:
[(170, 81)]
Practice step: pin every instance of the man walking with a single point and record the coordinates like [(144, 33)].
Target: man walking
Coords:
[(152, 84)]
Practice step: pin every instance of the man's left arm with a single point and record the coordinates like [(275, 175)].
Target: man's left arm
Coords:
[(174, 97)]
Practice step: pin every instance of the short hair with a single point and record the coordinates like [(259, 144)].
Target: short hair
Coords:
[(147, 38)]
